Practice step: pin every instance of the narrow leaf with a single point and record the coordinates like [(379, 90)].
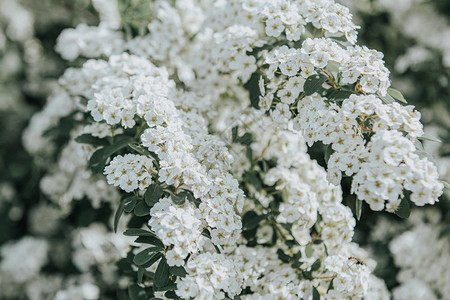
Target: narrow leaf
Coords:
[(234, 134), (117, 216), (309, 250), (251, 220), (162, 273), (110, 150), (135, 292), (145, 255), (97, 161), (246, 139), (404, 209), (313, 84), (179, 199), (150, 240), (339, 94), (178, 271), (427, 137), (129, 204), (138, 232), (446, 184), (328, 152), (89, 139), (397, 95), (316, 295), (358, 208), (387, 99), (139, 149), (169, 287), (154, 259), (140, 274), (153, 194), (316, 265), (141, 209)]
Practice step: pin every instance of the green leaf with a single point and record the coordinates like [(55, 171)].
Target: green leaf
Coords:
[(154, 259), (110, 150), (309, 250), (387, 99), (178, 271), (152, 241), (313, 83), (404, 209), (145, 255), (445, 231), (316, 265), (397, 95), (141, 209), (169, 287), (171, 295), (139, 149), (140, 274), (162, 273), (118, 214), (328, 152), (234, 133), (97, 161), (129, 204), (283, 256), (358, 208), (252, 177), (339, 94), (446, 184), (179, 199), (89, 139), (330, 286), (427, 137), (206, 233), (316, 295), (153, 194), (138, 232), (135, 292), (246, 139), (251, 220)]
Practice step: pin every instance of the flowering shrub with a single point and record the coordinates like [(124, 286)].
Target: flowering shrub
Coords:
[(192, 121)]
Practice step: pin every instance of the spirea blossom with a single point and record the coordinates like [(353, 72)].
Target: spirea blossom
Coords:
[(177, 226), (130, 172), (203, 122)]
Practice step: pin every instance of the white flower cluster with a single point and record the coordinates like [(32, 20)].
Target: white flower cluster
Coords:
[(130, 172), (423, 258), (89, 41), (19, 20), (269, 278), (96, 247), (418, 20), (70, 180), (304, 186), (210, 48), (237, 30), (356, 64), (22, 260), (58, 105), (101, 130), (177, 225), (388, 150), (301, 204), (127, 88), (351, 280), (211, 275)]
